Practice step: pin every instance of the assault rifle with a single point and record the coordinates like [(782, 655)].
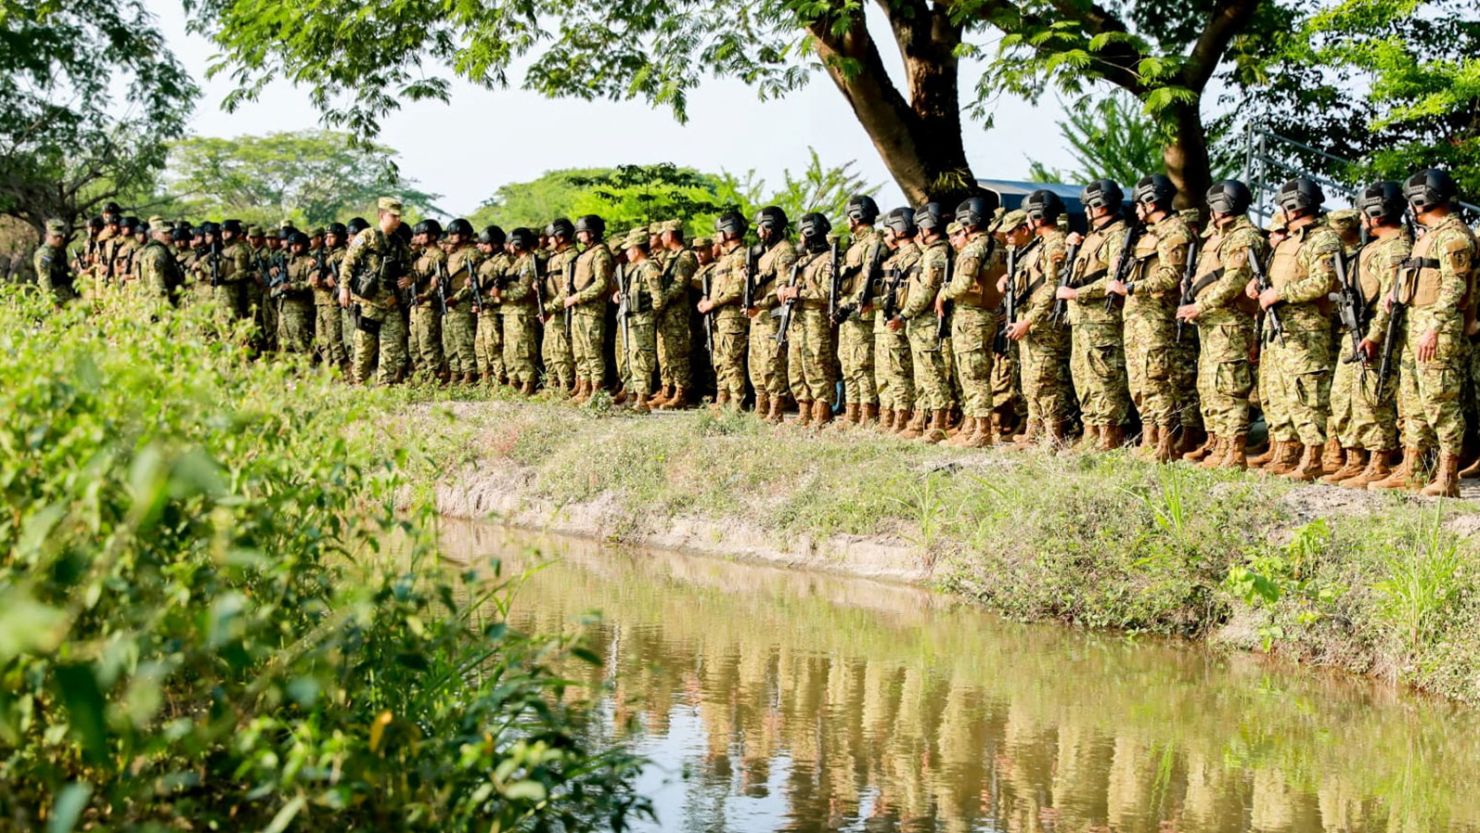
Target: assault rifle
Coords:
[(537, 282), (276, 282), (475, 284), (1261, 282), (1066, 276), (1390, 335), (788, 309), (1188, 273), (215, 256), (624, 311), (752, 265), (706, 286), (943, 321), (1351, 309), (1124, 262), (570, 292), (893, 278), (439, 274), (1009, 304), (835, 288)]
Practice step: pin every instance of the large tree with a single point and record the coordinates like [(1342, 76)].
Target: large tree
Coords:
[(361, 61)]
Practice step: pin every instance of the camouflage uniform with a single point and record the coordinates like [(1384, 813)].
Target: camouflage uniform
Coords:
[(672, 307), (931, 374), (730, 326), (640, 344), (328, 329), (973, 292), (159, 274), (557, 351), (253, 295), (594, 268), (237, 269), (1045, 349), (52, 273), (381, 334), (488, 345), (519, 318), (1303, 270), (295, 306), (426, 318), (1097, 363), (1225, 324), (767, 363), (809, 336), (893, 368), (1150, 325), (856, 334), (460, 325), (1361, 416)]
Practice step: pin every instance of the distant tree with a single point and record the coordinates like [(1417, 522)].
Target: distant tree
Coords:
[(1111, 136), (818, 188)]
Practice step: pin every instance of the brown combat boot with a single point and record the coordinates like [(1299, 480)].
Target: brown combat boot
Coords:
[(962, 438), (936, 431), (1030, 435), (1166, 445), (868, 414), (1289, 458), (1089, 439), (1446, 479), (1262, 458), (1234, 454), (579, 391), (914, 428), (1470, 471), (850, 414), (665, 393), (904, 419), (778, 404), (885, 421), (527, 388), (1112, 436), (1216, 449), (642, 405), (804, 412), (821, 412), (981, 434), (762, 404), (721, 400), (1377, 469), (1333, 457), (1188, 440), (1356, 463), (621, 396), (676, 401), (1309, 467), (1402, 476), (1150, 438), (1203, 451)]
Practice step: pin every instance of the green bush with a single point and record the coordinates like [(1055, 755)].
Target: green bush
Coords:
[(201, 618)]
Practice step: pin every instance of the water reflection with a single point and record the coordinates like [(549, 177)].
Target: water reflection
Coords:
[(778, 700)]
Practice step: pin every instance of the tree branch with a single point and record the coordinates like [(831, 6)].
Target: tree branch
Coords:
[(1229, 18)]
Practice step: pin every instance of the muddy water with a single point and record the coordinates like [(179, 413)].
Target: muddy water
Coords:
[(780, 700)]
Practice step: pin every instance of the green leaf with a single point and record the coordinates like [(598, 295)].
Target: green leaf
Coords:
[(78, 688), (67, 810)]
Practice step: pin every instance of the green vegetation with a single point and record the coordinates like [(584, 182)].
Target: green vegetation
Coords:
[(201, 618)]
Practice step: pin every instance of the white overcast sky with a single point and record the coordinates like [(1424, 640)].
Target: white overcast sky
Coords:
[(481, 140)]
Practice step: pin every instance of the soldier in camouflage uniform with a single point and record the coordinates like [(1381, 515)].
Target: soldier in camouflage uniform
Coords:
[(893, 368), (53, 274), (519, 310), (374, 274), (1435, 285), (236, 270), (1224, 316), (594, 268), (328, 322), (729, 324), (1150, 298), (702, 356), (559, 359), (971, 297), (495, 272), (809, 335), (767, 363), (348, 316), (679, 265), (922, 325), (158, 274), (294, 297), (1044, 338), (642, 286), (1097, 361), (459, 325), (124, 251), (1333, 458), (428, 267), (856, 318)]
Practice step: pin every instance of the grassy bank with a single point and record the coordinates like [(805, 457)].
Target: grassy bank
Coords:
[(1375, 584)]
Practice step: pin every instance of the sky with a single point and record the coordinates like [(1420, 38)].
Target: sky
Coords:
[(466, 149)]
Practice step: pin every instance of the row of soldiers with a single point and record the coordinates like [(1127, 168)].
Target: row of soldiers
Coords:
[(957, 328)]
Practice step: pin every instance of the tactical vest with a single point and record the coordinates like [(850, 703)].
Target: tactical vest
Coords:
[(983, 292)]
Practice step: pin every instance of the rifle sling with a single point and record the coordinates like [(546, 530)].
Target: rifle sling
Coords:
[(1206, 281)]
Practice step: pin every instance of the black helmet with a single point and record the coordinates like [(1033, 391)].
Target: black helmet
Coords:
[(1102, 193), (130, 224), (181, 234), (491, 236), (403, 233), (210, 227), (298, 238), (233, 226), (730, 222), (286, 233), (1430, 188), (1300, 194), (814, 227), (96, 223), (339, 230), (1230, 197), (901, 221), (929, 217), (591, 223), (1156, 189), (428, 227), (561, 227), (112, 209), (861, 207), (1043, 205), (523, 238), (357, 225), (1383, 201), (976, 211), (460, 226), (773, 218)]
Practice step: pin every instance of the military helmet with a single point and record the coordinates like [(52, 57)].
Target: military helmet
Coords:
[(357, 225), (977, 210), (211, 227), (1230, 197), (130, 224), (773, 218), (460, 226), (298, 238), (1102, 193), (339, 229), (1043, 205), (112, 210), (862, 208), (1156, 189), (813, 226), (561, 227), (901, 221), (431, 228), (96, 223), (523, 239), (403, 233), (929, 217), (1300, 194), (1383, 201), (592, 224), (730, 222), (490, 236), (1430, 188)]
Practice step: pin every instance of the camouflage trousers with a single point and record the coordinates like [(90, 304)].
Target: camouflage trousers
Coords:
[(930, 364), (1360, 417), (386, 348), (488, 344), (808, 349), (731, 332), (588, 335), (1224, 378), (560, 366), (263, 313), (1431, 391), (1184, 378), (426, 340), (1097, 367), (328, 334), (347, 329), (972, 332), (1300, 381), (295, 325), (1148, 361), (893, 369), (638, 344), (767, 362), (230, 299), (675, 343), (519, 347), (1045, 377), (856, 360), (459, 332)]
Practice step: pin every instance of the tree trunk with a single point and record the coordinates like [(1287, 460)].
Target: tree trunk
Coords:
[(1186, 156)]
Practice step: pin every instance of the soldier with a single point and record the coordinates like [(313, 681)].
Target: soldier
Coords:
[(519, 308), (427, 268), (495, 270), (774, 258), (348, 313), (679, 265), (1224, 316), (50, 261), (893, 368), (1150, 299), (729, 324), (328, 326), (459, 325), (591, 283), (1434, 286), (124, 250), (159, 275), (1302, 275), (375, 271), (293, 297), (559, 359), (923, 327), (1097, 361), (639, 340), (1044, 340), (809, 334), (235, 270), (701, 357), (974, 296), (855, 322)]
